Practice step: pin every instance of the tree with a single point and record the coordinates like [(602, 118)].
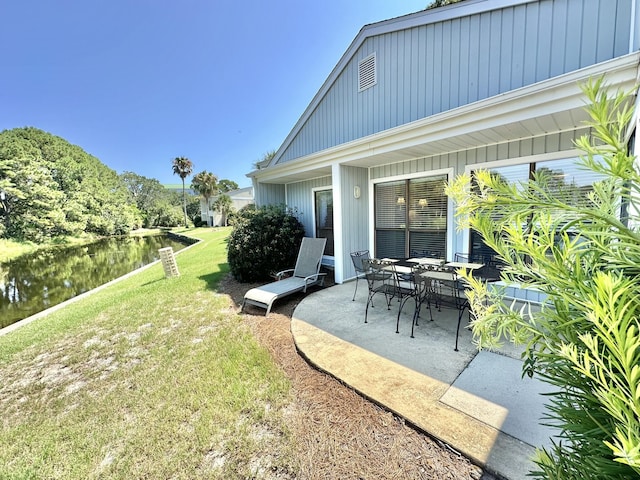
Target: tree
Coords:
[(8, 190), (583, 252), (266, 158), (183, 167), (149, 196), (194, 212), (206, 184), (227, 185), (441, 3), (53, 188), (224, 205)]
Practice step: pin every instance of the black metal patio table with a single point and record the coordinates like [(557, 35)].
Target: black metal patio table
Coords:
[(434, 281)]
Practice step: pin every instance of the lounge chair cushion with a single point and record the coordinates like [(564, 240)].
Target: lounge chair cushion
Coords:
[(265, 295)]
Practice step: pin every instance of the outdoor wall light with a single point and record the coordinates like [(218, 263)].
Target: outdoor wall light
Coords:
[(356, 191), (423, 202), (400, 201)]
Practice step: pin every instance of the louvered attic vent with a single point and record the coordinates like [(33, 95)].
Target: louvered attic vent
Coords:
[(367, 72)]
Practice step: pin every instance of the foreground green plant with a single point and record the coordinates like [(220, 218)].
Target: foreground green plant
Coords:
[(584, 254), (264, 241), (148, 378)]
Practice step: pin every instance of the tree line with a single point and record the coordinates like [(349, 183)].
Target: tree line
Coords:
[(50, 188)]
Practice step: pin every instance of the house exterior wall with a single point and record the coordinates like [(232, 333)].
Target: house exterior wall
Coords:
[(355, 220), (635, 28), (269, 194), (457, 161), (300, 197), (479, 82), (432, 68), (240, 198)]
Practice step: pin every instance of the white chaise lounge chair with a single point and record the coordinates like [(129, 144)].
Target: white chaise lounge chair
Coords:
[(305, 274)]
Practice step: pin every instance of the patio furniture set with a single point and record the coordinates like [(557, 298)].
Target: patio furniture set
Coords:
[(425, 280)]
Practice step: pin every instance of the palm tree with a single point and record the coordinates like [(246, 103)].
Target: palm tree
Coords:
[(224, 205), (183, 167), (206, 184)]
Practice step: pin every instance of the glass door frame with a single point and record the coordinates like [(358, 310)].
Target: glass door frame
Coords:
[(451, 231), (314, 220)]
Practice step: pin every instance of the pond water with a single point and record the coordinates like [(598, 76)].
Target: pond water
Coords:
[(35, 282)]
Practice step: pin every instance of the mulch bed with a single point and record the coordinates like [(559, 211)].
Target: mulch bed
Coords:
[(337, 433)]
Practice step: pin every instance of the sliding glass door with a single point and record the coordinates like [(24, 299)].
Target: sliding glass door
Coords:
[(411, 218)]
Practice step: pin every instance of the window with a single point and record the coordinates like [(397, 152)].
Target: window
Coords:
[(564, 178), (323, 200), (411, 218), (479, 251)]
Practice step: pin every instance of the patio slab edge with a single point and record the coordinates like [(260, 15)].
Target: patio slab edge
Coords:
[(414, 397)]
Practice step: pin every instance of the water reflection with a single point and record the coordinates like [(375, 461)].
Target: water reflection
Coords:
[(35, 282)]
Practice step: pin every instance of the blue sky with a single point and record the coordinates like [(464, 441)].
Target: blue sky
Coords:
[(137, 83)]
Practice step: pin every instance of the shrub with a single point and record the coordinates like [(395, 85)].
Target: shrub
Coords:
[(585, 256), (264, 241)]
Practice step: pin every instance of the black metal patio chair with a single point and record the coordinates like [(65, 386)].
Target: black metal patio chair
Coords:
[(358, 258), (421, 294), (447, 287), (380, 280)]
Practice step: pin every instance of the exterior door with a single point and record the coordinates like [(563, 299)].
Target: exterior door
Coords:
[(323, 201)]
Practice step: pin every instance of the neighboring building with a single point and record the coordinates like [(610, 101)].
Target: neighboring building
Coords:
[(239, 198), (419, 99), (177, 187)]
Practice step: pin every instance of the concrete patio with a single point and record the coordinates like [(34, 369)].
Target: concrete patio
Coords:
[(476, 402)]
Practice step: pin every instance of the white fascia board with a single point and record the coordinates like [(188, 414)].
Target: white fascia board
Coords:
[(549, 96), (635, 120), (416, 19), (293, 168)]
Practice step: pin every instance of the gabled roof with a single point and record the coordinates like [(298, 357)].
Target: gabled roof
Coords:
[(553, 105), (423, 17)]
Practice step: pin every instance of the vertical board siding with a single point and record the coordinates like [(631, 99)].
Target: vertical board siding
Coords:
[(355, 217), (459, 160), (269, 194), (432, 68), (300, 198), (635, 25)]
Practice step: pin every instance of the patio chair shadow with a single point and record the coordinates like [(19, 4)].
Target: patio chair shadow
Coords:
[(475, 402)]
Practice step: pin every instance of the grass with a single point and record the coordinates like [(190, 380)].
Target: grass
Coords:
[(11, 249), (149, 378)]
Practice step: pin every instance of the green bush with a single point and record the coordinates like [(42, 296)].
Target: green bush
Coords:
[(235, 216), (264, 241), (585, 256)]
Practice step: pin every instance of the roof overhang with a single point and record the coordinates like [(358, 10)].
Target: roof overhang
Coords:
[(552, 106)]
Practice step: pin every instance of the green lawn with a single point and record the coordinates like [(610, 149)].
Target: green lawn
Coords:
[(150, 378)]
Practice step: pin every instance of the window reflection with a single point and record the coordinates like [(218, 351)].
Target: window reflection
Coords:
[(564, 179)]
